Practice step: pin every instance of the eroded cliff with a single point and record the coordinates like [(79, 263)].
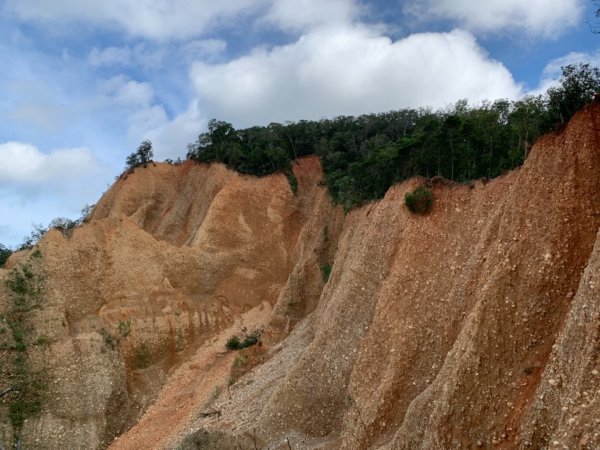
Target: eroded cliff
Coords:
[(475, 326)]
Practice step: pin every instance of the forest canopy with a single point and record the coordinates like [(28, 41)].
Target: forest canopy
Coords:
[(363, 156)]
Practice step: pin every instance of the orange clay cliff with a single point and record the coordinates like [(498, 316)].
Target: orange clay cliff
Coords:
[(474, 326)]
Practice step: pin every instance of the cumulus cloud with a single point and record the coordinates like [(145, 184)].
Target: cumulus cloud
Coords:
[(205, 48), (305, 14), (553, 70), (146, 118), (37, 186), (535, 17), (147, 18), (350, 70), (24, 165), (180, 19), (127, 92), (138, 55), (135, 102), (110, 56), (142, 55), (170, 138)]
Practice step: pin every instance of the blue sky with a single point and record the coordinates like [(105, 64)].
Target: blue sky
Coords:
[(85, 82)]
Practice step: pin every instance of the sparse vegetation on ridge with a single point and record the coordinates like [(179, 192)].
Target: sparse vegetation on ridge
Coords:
[(65, 225)]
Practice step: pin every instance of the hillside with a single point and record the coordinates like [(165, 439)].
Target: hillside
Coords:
[(475, 326)]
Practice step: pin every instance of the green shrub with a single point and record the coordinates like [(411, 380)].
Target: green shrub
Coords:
[(43, 340), (293, 183), (250, 339), (109, 339), (233, 343), (26, 288), (5, 253), (419, 201), (17, 282), (326, 234), (326, 272), (142, 356), (124, 328)]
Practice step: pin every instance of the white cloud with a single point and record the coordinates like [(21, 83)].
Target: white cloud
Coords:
[(206, 48), (306, 14), (127, 92), (350, 70), (36, 186), (554, 68), (146, 118), (181, 19), (110, 56), (24, 165), (142, 56), (148, 18), (135, 102), (170, 138), (535, 17), (553, 71)]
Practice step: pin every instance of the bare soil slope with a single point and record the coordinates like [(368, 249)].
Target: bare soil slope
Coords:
[(476, 326)]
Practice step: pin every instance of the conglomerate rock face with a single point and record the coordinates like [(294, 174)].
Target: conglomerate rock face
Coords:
[(475, 326)]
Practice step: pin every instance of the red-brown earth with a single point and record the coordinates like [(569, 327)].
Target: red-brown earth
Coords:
[(475, 326)]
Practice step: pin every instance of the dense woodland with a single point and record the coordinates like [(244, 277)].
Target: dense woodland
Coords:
[(363, 156)]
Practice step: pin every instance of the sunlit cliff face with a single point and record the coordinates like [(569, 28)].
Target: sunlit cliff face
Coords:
[(475, 325)]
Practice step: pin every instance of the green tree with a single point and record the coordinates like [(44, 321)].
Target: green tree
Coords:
[(526, 124), (578, 85), (142, 156), (363, 156), (5, 253)]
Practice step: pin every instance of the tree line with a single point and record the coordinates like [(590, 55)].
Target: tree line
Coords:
[(363, 156)]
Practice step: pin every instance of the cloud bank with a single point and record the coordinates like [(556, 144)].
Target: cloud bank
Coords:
[(37, 186), (535, 17), (151, 19), (25, 166), (343, 70)]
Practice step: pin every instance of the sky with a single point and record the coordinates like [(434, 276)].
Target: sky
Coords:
[(84, 82)]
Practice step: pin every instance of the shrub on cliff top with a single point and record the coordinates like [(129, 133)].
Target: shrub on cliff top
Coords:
[(419, 200)]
